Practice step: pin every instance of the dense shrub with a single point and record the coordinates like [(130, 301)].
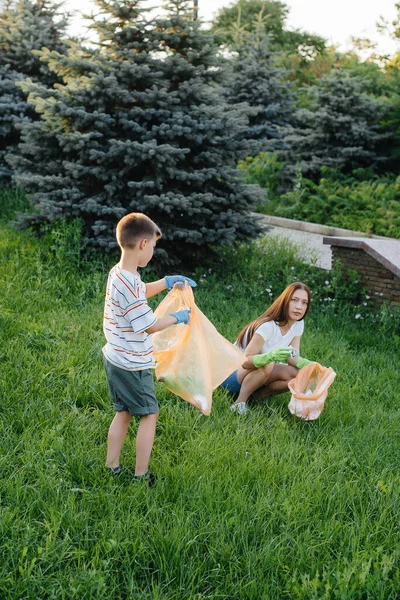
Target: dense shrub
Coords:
[(265, 170), (371, 206), (361, 202)]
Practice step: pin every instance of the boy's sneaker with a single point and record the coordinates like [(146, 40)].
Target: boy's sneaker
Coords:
[(149, 477), (114, 470), (240, 408)]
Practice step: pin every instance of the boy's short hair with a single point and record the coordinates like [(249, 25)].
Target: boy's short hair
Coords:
[(134, 227)]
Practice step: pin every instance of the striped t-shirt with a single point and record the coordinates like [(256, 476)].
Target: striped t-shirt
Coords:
[(126, 318)]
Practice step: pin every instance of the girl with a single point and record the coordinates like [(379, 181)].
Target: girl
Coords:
[(265, 343)]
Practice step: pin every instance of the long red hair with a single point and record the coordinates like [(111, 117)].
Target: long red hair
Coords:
[(278, 311)]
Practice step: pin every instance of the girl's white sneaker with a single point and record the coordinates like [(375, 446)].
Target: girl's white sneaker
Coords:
[(240, 408)]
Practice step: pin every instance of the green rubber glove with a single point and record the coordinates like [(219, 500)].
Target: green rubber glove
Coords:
[(303, 362), (278, 355)]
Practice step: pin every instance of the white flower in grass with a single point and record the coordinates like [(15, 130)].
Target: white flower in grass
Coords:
[(326, 282), (358, 316)]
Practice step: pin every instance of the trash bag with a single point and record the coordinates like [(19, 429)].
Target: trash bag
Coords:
[(309, 391), (192, 360)]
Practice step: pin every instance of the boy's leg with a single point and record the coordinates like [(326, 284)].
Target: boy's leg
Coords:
[(116, 436), (144, 442)]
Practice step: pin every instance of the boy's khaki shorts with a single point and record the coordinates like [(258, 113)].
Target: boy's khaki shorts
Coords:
[(132, 391)]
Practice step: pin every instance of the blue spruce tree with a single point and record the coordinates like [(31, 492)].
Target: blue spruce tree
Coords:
[(139, 126), (25, 26), (257, 80), (340, 129)]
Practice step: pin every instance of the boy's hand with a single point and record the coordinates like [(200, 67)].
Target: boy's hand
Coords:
[(170, 281), (278, 355), (182, 316)]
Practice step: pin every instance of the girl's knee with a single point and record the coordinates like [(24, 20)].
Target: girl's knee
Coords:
[(292, 373), (266, 373), (267, 370)]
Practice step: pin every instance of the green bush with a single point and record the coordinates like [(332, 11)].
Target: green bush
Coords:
[(360, 202), (265, 170), (372, 206)]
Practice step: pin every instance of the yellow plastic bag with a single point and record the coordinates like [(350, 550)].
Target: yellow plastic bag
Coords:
[(192, 360), (309, 391)]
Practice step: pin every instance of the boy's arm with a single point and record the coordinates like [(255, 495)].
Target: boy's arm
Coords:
[(161, 324), (155, 287), (181, 316)]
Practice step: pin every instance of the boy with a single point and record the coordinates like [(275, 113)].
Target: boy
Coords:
[(128, 353)]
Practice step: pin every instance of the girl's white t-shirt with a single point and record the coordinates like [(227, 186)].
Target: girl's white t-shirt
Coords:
[(272, 336)]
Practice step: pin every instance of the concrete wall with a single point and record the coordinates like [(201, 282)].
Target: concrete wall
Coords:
[(382, 284)]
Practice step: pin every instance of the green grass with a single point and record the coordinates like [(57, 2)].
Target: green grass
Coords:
[(12, 201), (264, 507)]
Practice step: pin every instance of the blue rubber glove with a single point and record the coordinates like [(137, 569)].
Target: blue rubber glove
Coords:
[(170, 280), (182, 316)]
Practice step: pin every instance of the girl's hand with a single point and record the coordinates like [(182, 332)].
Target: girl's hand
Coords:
[(303, 362), (278, 355)]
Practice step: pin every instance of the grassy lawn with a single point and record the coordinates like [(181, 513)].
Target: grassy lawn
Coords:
[(260, 507)]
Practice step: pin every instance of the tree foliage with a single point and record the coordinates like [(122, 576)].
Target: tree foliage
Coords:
[(391, 122), (139, 126), (29, 25), (339, 129), (13, 108), (245, 12), (25, 27), (257, 80)]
